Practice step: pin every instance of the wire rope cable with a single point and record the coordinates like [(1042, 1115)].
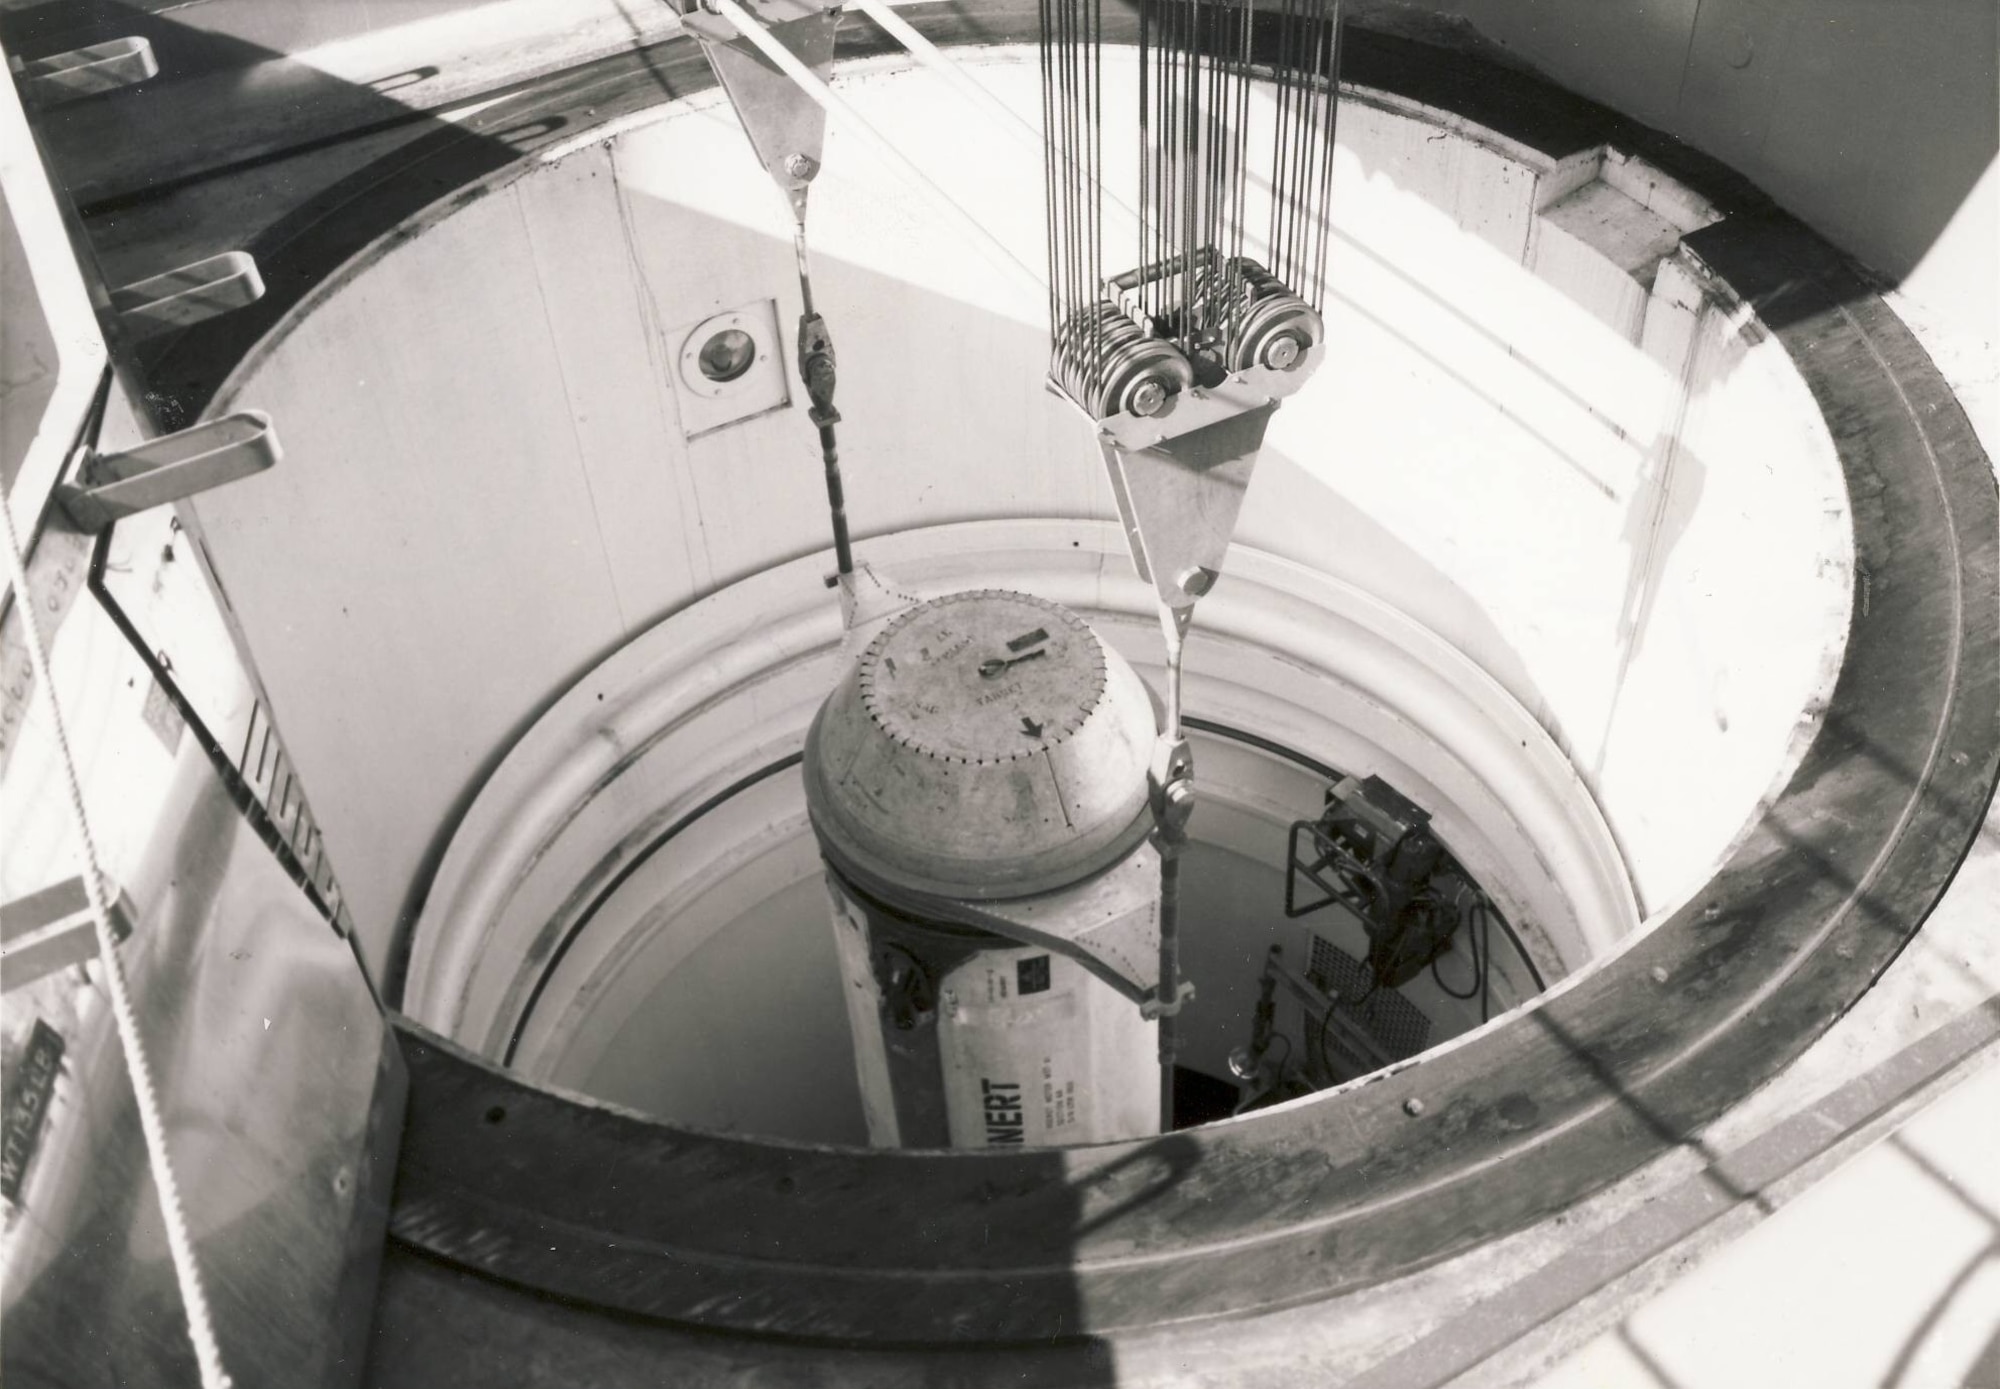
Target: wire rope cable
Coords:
[(1478, 923), (187, 1272), (954, 76), (1193, 275), (997, 252), (1471, 990), (1333, 1001)]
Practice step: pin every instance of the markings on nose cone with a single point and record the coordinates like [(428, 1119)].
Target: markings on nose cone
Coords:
[(992, 667)]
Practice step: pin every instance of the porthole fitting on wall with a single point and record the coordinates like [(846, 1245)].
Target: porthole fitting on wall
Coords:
[(730, 367), (726, 355)]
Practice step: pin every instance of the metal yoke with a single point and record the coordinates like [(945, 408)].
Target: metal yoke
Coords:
[(1179, 476), (786, 127)]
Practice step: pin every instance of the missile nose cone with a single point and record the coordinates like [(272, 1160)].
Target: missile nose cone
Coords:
[(986, 745)]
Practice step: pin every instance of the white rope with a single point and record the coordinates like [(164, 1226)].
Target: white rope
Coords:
[(834, 104), (201, 1324)]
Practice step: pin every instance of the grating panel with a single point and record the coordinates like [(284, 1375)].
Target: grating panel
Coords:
[(1395, 1023)]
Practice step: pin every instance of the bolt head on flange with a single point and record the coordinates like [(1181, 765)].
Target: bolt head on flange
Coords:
[(1147, 398), (1197, 580), (1283, 353)]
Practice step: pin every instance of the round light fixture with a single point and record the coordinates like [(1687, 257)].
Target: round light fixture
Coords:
[(726, 355)]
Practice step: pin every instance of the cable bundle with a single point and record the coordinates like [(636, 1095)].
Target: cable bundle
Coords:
[(1203, 307)]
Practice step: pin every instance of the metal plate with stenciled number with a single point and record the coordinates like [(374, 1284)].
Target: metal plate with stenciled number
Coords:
[(283, 1097)]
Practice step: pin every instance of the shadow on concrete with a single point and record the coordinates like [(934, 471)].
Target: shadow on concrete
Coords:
[(1984, 1372)]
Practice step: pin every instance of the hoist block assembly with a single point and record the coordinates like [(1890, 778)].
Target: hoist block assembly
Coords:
[(1181, 358), (1181, 361)]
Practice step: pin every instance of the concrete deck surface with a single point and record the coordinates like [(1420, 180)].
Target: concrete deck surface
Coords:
[(1887, 1273)]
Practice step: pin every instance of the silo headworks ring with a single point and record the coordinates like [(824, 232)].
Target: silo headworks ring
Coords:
[(733, 1252)]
